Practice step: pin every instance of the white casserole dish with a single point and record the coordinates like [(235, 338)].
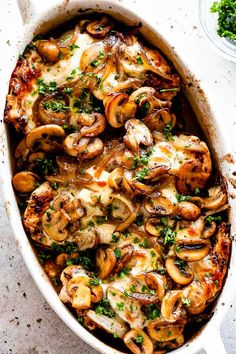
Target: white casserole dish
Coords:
[(42, 17)]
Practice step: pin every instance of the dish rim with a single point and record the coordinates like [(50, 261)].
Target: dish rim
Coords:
[(25, 247)]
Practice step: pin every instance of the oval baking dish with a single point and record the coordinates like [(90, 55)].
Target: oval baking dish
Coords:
[(44, 22)]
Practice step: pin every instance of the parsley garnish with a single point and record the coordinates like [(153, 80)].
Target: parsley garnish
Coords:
[(139, 60), (216, 219), (103, 308), (168, 236), (182, 198), (226, 18), (152, 312), (139, 221), (140, 175), (44, 88)]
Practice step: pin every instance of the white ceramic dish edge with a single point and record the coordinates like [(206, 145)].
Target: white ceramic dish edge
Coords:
[(48, 15)]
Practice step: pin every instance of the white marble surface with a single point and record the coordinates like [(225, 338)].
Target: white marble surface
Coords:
[(27, 324)]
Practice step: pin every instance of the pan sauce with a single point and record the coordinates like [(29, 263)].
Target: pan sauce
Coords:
[(107, 175)]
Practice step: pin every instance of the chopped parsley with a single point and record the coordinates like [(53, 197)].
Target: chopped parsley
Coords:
[(168, 89), (152, 312), (45, 166), (139, 221), (216, 219), (94, 63), (167, 131), (145, 244), (115, 238), (44, 88), (90, 223), (139, 339), (182, 198), (168, 236), (54, 185), (73, 46), (55, 106), (56, 281), (72, 74), (186, 301), (94, 282), (118, 253), (139, 60), (68, 247), (140, 175), (100, 219), (124, 272), (120, 305), (226, 10), (68, 90), (181, 264), (43, 257), (103, 308)]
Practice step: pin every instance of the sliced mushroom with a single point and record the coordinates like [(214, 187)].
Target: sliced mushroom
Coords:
[(47, 138), (55, 223), (136, 134), (123, 210), (157, 167), (25, 181), (80, 292), (156, 282), (118, 109), (163, 331), (99, 28), (154, 225), (190, 143), (172, 306), (86, 148), (48, 50), (159, 205), (217, 198), (179, 271), (105, 262), (129, 310), (93, 124), (87, 239), (209, 230), (115, 178), (191, 250), (138, 342), (126, 254), (52, 109), (158, 119), (197, 300), (187, 211), (112, 325)]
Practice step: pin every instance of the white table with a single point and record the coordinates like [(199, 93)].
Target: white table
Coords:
[(27, 324)]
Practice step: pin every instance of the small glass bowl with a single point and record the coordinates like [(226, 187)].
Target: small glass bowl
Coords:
[(224, 46)]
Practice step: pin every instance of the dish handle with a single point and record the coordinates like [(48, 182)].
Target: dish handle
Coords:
[(214, 344)]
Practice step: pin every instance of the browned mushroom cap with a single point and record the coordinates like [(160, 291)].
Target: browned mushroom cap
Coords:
[(197, 299), (187, 211), (172, 306), (25, 181), (47, 138), (154, 225), (179, 271), (55, 223), (48, 50), (158, 119), (159, 206), (157, 166), (86, 148), (161, 330), (125, 255), (118, 109), (138, 342), (193, 174), (99, 28), (112, 325), (217, 198), (51, 109), (105, 261), (93, 124), (191, 250), (137, 133)]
